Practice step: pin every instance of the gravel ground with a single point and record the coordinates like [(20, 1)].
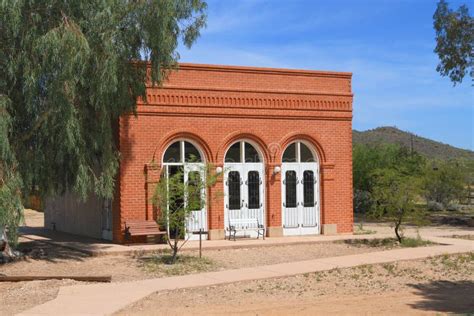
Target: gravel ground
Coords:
[(467, 237), (443, 284), (46, 259)]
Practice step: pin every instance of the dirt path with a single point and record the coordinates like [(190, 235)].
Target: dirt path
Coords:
[(443, 284), (402, 303), (47, 259)]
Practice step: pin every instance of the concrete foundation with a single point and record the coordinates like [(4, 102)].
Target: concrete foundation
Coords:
[(329, 229), (274, 231), (215, 234)]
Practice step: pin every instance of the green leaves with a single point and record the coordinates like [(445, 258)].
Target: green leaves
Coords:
[(69, 70), (178, 194), (454, 41), (445, 181)]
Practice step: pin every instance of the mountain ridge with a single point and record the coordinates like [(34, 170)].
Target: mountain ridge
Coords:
[(425, 146)]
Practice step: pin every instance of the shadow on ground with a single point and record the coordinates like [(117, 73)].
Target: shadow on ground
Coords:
[(445, 296), (33, 250)]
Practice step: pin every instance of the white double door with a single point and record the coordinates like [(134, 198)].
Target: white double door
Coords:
[(197, 219), (244, 193), (300, 198)]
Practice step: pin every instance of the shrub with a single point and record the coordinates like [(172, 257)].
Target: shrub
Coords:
[(452, 207), (434, 206), (362, 201)]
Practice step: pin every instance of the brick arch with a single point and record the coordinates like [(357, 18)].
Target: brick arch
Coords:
[(305, 137), (170, 137), (238, 135)]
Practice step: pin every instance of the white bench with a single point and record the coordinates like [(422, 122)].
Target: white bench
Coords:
[(245, 224)]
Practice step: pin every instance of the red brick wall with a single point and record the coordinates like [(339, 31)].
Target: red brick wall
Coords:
[(217, 105)]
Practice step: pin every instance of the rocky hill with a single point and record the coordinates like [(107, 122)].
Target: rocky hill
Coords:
[(424, 146)]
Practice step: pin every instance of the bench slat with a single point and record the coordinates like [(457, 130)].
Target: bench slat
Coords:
[(243, 224), (142, 228)]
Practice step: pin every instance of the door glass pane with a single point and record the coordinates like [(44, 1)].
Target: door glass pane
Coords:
[(290, 185), (253, 184), (306, 154), (233, 154), (251, 154), (195, 190), (173, 153), (175, 187), (233, 182), (175, 193), (290, 153), (308, 188), (191, 154)]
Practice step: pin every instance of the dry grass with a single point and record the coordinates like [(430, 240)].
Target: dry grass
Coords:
[(389, 243), (467, 237), (161, 264)]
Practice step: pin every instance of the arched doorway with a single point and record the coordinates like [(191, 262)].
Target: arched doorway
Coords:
[(244, 184), (300, 190), (184, 155)]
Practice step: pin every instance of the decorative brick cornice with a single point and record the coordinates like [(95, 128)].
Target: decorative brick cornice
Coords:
[(156, 97), (265, 70)]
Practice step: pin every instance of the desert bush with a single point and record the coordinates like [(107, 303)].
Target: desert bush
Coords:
[(362, 201), (445, 181), (452, 207), (434, 206)]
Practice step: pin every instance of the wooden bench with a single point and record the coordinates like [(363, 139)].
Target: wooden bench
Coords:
[(244, 224), (141, 228)]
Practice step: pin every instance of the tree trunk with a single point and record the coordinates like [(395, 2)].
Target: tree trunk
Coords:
[(175, 251), (6, 252), (397, 226), (397, 233)]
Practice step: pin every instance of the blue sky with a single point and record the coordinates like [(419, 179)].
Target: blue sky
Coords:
[(388, 45)]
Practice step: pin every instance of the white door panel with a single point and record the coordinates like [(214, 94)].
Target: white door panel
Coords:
[(300, 198), (244, 193), (197, 218)]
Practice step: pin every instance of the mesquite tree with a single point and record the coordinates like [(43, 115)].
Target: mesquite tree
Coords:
[(454, 41), (394, 197), (68, 70)]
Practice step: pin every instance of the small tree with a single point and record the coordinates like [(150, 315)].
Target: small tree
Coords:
[(394, 194), (445, 182), (176, 199)]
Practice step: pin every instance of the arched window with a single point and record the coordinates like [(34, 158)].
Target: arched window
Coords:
[(298, 152), (183, 161), (241, 152), (180, 152)]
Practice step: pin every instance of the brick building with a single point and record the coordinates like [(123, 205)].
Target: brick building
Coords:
[(282, 138)]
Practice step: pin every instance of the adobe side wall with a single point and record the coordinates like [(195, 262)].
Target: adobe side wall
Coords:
[(67, 213)]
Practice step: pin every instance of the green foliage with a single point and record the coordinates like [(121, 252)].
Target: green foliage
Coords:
[(176, 199), (454, 41), (387, 183), (69, 69), (368, 160), (10, 183), (409, 242), (394, 194), (445, 181)]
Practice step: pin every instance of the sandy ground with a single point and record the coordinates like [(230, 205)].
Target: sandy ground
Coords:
[(437, 285), (33, 218), (46, 259)]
